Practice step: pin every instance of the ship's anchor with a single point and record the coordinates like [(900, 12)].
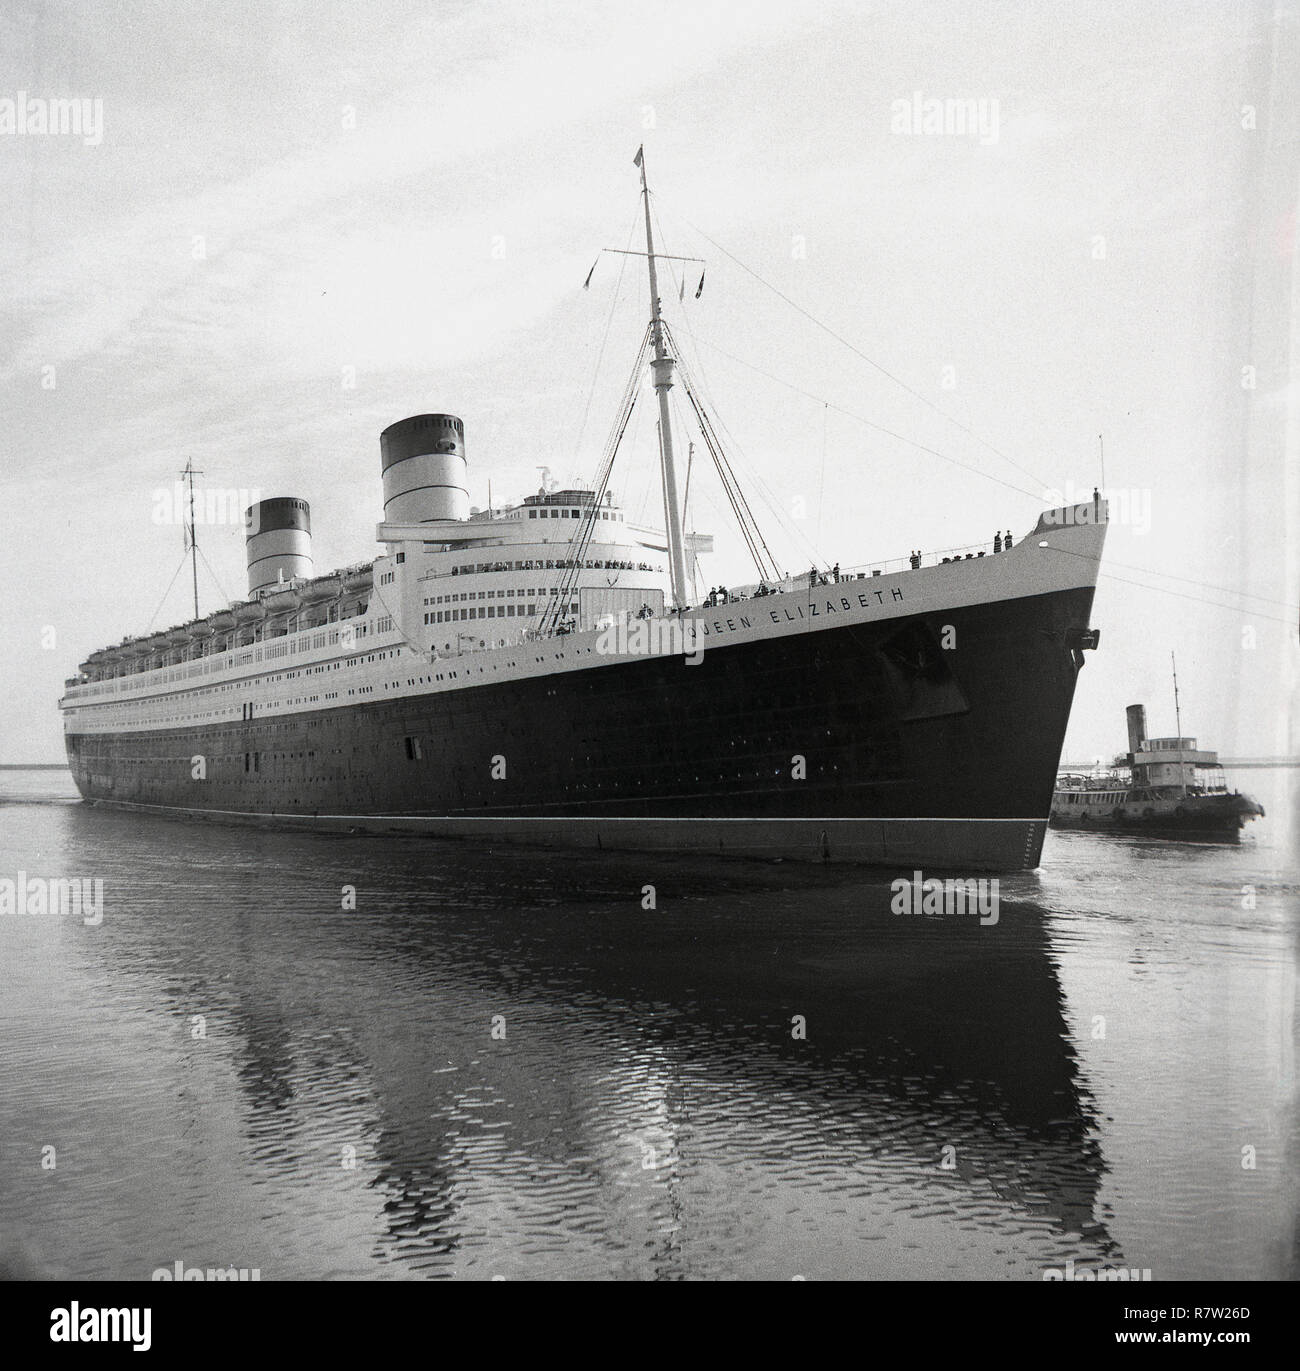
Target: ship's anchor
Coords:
[(1080, 640)]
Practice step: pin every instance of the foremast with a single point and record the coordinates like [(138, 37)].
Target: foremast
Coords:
[(662, 368)]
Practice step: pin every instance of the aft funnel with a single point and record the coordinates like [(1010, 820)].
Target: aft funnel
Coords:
[(277, 542)]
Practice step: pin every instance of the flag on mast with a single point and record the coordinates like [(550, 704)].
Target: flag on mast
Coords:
[(590, 274), (636, 161), (700, 288)]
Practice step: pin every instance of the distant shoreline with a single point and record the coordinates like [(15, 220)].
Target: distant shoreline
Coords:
[(1227, 763), (33, 766)]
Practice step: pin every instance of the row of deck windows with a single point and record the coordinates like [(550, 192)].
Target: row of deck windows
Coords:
[(528, 592), (454, 616), (550, 564)]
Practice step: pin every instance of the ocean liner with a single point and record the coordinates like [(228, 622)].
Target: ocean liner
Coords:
[(538, 673)]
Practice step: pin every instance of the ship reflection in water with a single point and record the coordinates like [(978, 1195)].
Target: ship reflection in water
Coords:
[(501, 1064)]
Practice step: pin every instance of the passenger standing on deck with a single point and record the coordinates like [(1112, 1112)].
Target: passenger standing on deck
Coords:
[(1006, 541), (997, 542)]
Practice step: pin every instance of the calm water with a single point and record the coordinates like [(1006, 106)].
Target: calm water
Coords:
[(648, 1113)]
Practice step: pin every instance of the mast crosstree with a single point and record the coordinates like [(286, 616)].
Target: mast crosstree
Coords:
[(664, 364), (189, 473), (662, 368)]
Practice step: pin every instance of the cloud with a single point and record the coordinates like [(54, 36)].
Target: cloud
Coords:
[(465, 100)]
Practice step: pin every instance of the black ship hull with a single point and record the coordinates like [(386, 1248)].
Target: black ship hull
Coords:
[(869, 742)]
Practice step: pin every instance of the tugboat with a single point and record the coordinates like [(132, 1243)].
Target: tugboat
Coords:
[(1161, 786)]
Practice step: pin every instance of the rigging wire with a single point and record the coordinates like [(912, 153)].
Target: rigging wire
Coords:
[(839, 338), (695, 340), (609, 323), (759, 550), (693, 488), (694, 393), (839, 409), (580, 540), (755, 478), (870, 423), (647, 490), (1204, 585), (821, 479), (1199, 599), (1180, 594), (184, 558), (221, 590)]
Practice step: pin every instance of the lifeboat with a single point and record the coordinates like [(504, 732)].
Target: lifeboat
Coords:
[(149, 652), (283, 601), (324, 589), (124, 659)]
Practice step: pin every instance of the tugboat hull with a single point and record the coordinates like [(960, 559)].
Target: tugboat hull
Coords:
[(1209, 817)]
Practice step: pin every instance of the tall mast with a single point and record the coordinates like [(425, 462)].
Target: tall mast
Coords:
[(1178, 722), (189, 474), (1178, 718), (662, 366)]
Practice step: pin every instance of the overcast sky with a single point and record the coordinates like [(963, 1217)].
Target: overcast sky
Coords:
[(301, 222)]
